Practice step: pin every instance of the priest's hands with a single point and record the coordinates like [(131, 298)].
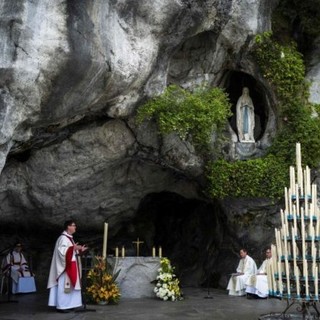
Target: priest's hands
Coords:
[(81, 248)]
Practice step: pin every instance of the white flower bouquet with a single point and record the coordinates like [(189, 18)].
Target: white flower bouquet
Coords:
[(167, 284)]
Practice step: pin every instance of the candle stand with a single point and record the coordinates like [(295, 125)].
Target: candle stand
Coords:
[(293, 272)]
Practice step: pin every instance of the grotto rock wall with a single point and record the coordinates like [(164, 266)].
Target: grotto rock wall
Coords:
[(72, 74)]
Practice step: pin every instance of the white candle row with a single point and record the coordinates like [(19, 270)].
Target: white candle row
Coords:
[(159, 252), (153, 252), (282, 270), (123, 252), (302, 186), (286, 245)]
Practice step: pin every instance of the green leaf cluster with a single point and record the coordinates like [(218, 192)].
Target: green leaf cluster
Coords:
[(282, 66), (192, 115), (263, 177)]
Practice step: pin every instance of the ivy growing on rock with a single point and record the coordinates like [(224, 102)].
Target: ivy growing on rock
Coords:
[(283, 67), (263, 177), (192, 115)]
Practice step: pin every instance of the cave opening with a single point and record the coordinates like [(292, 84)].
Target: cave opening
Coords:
[(234, 82), (190, 232)]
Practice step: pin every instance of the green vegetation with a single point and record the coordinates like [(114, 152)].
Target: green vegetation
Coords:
[(284, 69), (193, 115), (263, 177), (196, 115)]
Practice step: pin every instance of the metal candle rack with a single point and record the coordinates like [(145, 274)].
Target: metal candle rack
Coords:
[(294, 269)]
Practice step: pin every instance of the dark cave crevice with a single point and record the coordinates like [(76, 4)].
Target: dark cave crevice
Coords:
[(190, 231)]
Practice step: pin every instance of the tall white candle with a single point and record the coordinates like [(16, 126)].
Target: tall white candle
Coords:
[(290, 200), (297, 280), (105, 238), (280, 277), (316, 209), (313, 254), (305, 180), (294, 247), (160, 252), (297, 201), (295, 222), (153, 252), (305, 268), (308, 181), (273, 279), (306, 277), (117, 252), (269, 277), (303, 236), (273, 263), (316, 289), (316, 233), (298, 165), (123, 252), (286, 203), (294, 181), (282, 217), (287, 275), (278, 243), (300, 181), (311, 229), (285, 242), (312, 197)]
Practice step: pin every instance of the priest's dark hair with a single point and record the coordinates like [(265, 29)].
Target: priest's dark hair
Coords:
[(68, 223)]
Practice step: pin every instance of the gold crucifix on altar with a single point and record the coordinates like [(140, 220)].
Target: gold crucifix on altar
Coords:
[(138, 242)]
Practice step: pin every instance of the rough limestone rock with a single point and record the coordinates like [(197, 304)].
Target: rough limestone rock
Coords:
[(313, 73)]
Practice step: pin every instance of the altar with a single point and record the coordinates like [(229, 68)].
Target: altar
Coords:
[(136, 275)]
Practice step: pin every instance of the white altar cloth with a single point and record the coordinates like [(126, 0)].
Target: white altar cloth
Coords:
[(136, 274)]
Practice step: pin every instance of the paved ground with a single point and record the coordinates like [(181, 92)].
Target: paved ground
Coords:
[(194, 306)]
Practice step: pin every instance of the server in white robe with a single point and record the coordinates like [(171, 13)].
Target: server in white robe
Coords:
[(246, 268), (65, 272), (15, 265), (258, 284)]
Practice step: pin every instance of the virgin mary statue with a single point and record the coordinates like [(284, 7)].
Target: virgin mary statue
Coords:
[(245, 117)]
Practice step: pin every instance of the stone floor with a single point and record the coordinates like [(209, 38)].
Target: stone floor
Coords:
[(194, 306)]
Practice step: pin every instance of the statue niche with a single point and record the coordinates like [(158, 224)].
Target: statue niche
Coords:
[(245, 117)]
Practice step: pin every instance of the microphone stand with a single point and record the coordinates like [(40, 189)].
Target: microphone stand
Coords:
[(84, 284), (208, 296)]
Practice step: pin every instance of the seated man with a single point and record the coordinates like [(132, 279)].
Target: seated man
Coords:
[(15, 266), (246, 268), (257, 285)]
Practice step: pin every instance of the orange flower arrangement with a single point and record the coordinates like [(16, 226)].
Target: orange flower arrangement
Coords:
[(102, 285)]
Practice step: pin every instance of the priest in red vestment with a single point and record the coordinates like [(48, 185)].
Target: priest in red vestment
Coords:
[(65, 272)]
